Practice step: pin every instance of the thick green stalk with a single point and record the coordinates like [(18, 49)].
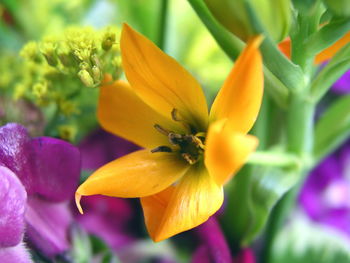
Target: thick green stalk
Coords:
[(162, 23), (230, 44), (300, 123)]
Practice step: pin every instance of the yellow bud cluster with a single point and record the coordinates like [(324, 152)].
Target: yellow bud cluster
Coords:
[(56, 70)]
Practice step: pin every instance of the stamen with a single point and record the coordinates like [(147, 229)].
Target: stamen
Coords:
[(198, 142), (163, 149), (200, 134), (161, 129), (175, 115)]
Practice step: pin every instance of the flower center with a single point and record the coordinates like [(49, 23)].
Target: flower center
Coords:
[(190, 145)]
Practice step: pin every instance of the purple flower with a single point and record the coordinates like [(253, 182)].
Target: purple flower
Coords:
[(41, 173), (342, 85), (325, 196), (213, 247)]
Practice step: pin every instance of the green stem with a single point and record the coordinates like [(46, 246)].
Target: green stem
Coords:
[(230, 44), (300, 126), (162, 23)]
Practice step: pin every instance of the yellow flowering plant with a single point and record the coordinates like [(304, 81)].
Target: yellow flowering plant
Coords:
[(188, 154)]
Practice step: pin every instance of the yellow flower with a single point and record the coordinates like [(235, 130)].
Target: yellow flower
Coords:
[(189, 154)]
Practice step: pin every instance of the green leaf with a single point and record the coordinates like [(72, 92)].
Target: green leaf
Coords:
[(337, 66), (252, 195), (327, 36), (304, 6), (81, 246), (332, 128), (305, 242)]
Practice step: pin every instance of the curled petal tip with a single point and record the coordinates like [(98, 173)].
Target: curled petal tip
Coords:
[(256, 40), (77, 202)]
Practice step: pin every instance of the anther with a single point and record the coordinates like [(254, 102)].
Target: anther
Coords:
[(174, 138), (189, 158), (163, 149), (198, 142)]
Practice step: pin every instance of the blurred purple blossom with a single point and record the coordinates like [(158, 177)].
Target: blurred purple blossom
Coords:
[(106, 217), (47, 170), (342, 85), (102, 147), (213, 246), (325, 196)]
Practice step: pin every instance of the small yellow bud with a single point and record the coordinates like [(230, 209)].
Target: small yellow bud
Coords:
[(96, 73), (108, 40), (67, 132), (64, 55), (84, 65), (39, 89), (86, 78), (31, 52), (68, 107), (48, 49)]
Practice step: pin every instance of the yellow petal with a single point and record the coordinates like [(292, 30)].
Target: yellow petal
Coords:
[(161, 81), (328, 53), (138, 174), (154, 207), (239, 99), (123, 113), (185, 206), (226, 151)]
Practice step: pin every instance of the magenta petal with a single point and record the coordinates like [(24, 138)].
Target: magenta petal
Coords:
[(212, 236), (17, 254), (46, 166), (56, 167), (47, 226), (12, 207), (246, 255), (15, 153)]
